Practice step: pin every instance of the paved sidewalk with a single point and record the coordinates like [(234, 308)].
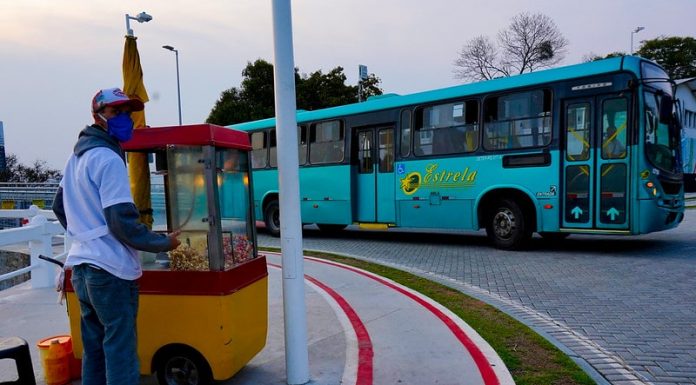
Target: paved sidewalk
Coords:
[(362, 329)]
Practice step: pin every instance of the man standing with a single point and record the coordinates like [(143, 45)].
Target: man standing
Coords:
[(95, 205)]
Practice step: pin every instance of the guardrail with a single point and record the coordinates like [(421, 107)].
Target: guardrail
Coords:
[(39, 234)]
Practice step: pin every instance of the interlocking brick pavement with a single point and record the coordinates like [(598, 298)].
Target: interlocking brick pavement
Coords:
[(625, 306)]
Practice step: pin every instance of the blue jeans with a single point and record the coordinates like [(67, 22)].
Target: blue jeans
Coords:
[(109, 308)]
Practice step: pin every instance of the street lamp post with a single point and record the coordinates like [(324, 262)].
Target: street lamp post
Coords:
[(178, 88), (638, 29), (142, 17)]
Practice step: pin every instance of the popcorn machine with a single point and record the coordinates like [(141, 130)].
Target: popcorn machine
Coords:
[(204, 306)]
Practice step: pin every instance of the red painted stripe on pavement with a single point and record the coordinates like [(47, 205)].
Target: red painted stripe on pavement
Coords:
[(487, 373), (365, 351)]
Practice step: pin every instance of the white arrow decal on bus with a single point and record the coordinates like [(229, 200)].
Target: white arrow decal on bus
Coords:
[(577, 212), (612, 213)]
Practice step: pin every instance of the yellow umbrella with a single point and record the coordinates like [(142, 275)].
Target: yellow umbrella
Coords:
[(138, 167)]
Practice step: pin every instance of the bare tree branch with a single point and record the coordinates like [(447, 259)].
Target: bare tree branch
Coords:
[(477, 61), (530, 42)]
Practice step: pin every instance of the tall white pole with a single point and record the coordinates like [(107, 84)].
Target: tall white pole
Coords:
[(296, 356)]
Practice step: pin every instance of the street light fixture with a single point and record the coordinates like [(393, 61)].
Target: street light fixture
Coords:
[(638, 29), (142, 17), (178, 88)]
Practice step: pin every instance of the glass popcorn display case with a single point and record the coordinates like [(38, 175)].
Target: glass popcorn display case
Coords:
[(206, 243), (203, 306)]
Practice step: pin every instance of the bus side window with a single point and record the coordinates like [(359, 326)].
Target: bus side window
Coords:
[(471, 126), (518, 120), (450, 128), (614, 124), (258, 149), (578, 127), (302, 144), (326, 142), (301, 148), (273, 149), (405, 133)]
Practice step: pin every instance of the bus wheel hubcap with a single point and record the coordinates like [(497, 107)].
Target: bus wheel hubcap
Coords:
[(504, 223)]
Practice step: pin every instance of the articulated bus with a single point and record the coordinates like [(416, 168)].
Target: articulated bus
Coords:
[(590, 148)]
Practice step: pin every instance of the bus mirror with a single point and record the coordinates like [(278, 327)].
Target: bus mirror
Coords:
[(666, 109)]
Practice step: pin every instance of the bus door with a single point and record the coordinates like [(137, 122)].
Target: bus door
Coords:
[(596, 163), (375, 175)]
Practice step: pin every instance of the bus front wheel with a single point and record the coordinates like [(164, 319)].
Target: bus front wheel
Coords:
[(271, 216), (507, 226)]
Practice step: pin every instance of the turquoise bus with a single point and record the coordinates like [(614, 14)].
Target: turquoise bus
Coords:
[(590, 148)]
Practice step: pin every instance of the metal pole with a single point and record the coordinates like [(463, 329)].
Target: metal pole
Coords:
[(129, 31), (294, 308), (638, 29), (296, 355), (178, 88)]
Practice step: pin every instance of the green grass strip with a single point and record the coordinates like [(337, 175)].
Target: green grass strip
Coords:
[(530, 358)]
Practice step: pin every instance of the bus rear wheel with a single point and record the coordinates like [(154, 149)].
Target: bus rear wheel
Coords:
[(507, 226), (271, 216)]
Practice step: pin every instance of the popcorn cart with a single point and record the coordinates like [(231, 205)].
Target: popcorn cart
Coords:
[(204, 306)]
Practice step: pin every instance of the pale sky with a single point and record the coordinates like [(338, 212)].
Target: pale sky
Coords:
[(55, 54)]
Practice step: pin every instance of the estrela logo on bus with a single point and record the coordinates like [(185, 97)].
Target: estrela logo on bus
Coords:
[(435, 178)]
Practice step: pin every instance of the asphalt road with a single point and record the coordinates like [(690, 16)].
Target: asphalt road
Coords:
[(623, 306)]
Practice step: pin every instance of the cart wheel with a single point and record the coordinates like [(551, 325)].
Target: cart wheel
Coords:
[(271, 215), (183, 367)]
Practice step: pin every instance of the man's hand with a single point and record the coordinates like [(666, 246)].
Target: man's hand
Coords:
[(173, 241)]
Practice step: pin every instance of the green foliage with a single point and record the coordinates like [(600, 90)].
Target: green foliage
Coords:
[(254, 99), (370, 86), (38, 172), (595, 57), (676, 54)]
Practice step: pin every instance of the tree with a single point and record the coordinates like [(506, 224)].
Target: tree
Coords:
[(677, 55), (38, 172), (370, 86), (530, 42), (254, 99), (594, 57), (320, 90)]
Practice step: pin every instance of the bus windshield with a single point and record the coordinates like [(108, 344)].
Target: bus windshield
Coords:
[(661, 145)]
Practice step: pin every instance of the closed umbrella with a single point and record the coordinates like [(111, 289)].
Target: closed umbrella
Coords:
[(138, 167)]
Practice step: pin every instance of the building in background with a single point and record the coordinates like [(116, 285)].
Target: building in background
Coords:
[(686, 94)]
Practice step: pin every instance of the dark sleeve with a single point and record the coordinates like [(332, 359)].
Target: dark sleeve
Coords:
[(58, 208), (124, 224)]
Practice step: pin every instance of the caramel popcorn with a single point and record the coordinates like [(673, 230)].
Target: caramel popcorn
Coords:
[(186, 257)]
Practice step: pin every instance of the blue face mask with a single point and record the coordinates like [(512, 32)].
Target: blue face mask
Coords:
[(120, 127)]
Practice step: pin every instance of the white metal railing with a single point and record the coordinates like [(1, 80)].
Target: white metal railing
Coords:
[(38, 233)]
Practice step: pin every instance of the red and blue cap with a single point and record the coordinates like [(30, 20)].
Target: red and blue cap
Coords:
[(114, 97)]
